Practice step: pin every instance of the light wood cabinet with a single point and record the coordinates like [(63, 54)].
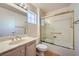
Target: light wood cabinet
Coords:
[(19, 51), (28, 49), (31, 49)]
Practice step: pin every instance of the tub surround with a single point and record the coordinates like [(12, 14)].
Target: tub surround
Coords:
[(7, 45)]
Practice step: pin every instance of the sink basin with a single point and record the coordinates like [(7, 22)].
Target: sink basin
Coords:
[(16, 42)]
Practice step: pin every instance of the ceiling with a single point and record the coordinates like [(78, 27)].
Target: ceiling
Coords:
[(47, 7)]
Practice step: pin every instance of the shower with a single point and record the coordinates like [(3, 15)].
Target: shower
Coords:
[(58, 30)]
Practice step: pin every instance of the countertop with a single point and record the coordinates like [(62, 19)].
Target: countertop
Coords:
[(5, 45)]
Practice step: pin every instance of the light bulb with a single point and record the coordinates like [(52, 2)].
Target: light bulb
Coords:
[(25, 6)]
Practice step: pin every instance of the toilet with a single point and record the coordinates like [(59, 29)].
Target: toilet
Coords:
[(41, 48)]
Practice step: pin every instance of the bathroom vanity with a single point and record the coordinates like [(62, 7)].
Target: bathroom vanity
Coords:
[(27, 47), (14, 22)]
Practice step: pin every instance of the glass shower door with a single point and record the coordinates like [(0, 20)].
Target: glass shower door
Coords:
[(58, 30)]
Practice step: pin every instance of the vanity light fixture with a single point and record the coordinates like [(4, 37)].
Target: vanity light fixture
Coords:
[(22, 5)]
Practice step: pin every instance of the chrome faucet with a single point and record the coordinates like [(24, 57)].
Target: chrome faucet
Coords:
[(13, 36), (12, 39), (16, 38)]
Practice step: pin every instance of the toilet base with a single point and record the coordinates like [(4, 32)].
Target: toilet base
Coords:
[(40, 53)]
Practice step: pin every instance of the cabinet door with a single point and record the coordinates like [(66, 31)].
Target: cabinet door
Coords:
[(31, 49), (19, 51)]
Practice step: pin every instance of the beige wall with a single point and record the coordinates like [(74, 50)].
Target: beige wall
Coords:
[(76, 28), (31, 7), (68, 8), (34, 29), (42, 13)]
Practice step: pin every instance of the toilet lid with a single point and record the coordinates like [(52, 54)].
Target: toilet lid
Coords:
[(41, 46)]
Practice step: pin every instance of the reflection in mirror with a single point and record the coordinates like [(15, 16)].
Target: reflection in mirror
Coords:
[(11, 23)]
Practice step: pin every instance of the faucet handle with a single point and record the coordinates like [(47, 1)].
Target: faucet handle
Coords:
[(18, 37)]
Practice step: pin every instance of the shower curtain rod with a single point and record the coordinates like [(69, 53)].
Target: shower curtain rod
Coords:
[(59, 14)]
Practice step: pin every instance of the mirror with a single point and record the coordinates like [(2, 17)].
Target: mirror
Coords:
[(11, 23)]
